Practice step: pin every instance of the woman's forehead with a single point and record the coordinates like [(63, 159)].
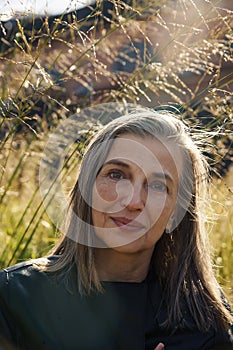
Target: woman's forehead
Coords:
[(146, 152)]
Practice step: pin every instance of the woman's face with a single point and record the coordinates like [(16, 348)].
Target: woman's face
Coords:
[(135, 192)]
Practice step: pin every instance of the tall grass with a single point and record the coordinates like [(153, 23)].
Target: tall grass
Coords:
[(221, 234), (150, 53)]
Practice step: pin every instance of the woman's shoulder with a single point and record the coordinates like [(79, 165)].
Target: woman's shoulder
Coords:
[(30, 262), (24, 271), (186, 331)]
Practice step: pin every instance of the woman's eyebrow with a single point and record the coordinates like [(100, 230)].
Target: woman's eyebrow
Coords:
[(117, 162)]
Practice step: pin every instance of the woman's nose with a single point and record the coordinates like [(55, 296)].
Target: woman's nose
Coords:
[(134, 196)]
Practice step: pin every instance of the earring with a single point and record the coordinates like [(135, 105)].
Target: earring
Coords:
[(169, 226)]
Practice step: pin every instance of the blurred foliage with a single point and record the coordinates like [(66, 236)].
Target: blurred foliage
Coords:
[(161, 52)]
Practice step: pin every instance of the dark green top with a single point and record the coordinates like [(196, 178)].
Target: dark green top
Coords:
[(38, 313)]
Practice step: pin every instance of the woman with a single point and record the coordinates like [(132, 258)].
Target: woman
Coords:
[(133, 270)]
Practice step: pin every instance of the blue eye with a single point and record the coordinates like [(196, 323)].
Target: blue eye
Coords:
[(158, 186), (115, 175)]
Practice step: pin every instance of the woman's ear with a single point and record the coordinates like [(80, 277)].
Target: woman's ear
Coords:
[(170, 224)]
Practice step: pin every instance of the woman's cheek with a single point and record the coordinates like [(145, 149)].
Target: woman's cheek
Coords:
[(159, 207), (106, 191)]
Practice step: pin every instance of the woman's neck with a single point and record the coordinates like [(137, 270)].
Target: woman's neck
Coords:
[(117, 266)]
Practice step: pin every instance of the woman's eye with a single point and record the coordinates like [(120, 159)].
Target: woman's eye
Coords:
[(115, 175), (158, 186)]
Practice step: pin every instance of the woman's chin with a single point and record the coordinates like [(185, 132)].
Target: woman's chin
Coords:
[(124, 241)]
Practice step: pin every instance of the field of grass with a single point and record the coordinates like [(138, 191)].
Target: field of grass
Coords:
[(221, 234)]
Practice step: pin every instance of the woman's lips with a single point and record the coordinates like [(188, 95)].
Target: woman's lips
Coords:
[(127, 224)]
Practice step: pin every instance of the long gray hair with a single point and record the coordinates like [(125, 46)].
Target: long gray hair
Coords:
[(181, 260)]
